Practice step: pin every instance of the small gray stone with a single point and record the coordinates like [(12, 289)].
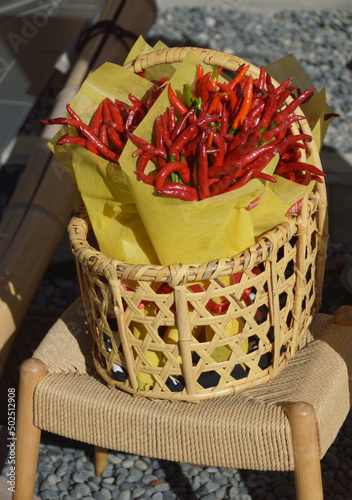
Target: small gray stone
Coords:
[(97, 480), (107, 472), (120, 479), (209, 487), (89, 466), (158, 496), (194, 471), (124, 495), (196, 482), (114, 459), (62, 486), (108, 486), (53, 479), (83, 489), (148, 478), (162, 487), (78, 478), (204, 477), (106, 494), (141, 465), (233, 493), (45, 485), (75, 494), (109, 480), (220, 494), (138, 493), (97, 495), (93, 487), (62, 469), (127, 486), (67, 457), (211, 470), (128, 463), (80, 454)]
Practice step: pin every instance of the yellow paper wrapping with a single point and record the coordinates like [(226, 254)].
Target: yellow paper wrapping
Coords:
[(130, 221), (213, 228)]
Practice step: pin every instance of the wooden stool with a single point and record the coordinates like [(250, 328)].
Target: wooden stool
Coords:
[(286, 424)]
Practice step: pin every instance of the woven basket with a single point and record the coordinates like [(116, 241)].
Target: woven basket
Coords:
[(276, 290)]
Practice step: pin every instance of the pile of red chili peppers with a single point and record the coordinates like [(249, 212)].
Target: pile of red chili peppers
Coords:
[(214, 140)]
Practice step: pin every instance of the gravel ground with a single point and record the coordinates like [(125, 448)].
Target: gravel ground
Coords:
[(322, 42)]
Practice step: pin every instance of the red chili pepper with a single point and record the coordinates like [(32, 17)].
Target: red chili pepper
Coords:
[(261, 79), (107, 118), (224, 122), (241, 71), (283, 96), (280, 117), (182, 123), (220, 144), (202, 173), (262, 175), (143, 161), (116, 115), (241, 182), (103, 134), (135, 101), (115, 138), (203, 87), (87, 132), (175, 101), (175, 166), (246, 103), (283, 87), (97, 119), (181, 191), (90, 146), (282, 127), (68, 139), (213, 106), (146, 146), (327, 116), (300, 166), (204, 121), (270, 105), (171, 118), (243, 161), (72, 113), (185, 136), (199, 76), (145, 178)]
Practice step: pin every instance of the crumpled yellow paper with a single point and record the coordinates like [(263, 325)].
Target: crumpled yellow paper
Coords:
[(134, 224)]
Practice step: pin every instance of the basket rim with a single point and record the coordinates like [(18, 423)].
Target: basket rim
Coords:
[(269, 242)]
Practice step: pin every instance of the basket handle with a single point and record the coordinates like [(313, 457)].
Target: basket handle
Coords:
[(177, 54)]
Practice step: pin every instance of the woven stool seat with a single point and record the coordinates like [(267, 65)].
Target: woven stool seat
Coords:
[(248, 430)]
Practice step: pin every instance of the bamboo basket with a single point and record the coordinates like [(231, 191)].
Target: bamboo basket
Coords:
[(282, 275)]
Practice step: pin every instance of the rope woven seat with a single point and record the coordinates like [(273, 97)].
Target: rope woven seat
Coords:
[(250, 429)]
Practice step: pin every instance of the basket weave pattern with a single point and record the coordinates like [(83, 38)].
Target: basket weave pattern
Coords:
[(274, 292), (275, 324)]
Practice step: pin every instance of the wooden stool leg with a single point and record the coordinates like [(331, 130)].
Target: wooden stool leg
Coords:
[(308, 479), (27, 435), (101, 459)]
